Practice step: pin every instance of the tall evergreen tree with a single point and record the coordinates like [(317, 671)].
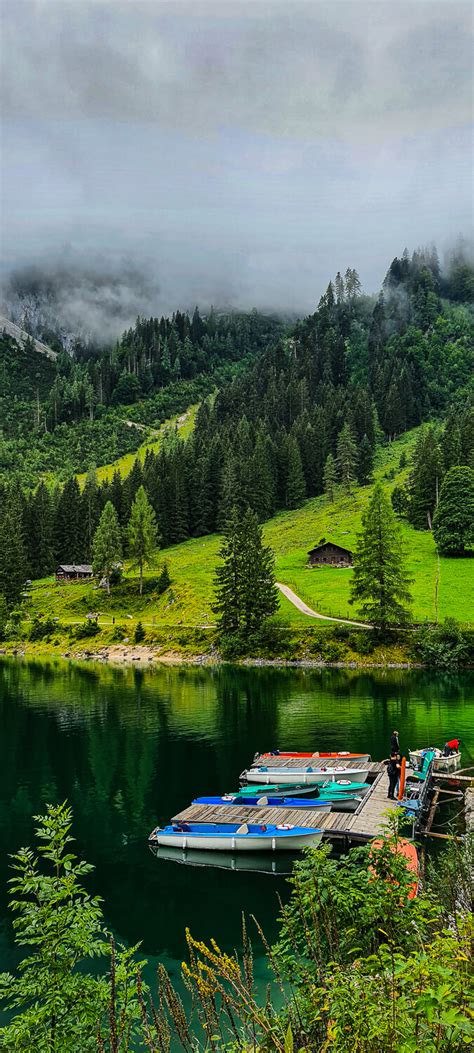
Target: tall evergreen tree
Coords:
[(295, 487), (13, 555), (142, 533), (346, 458), (330, 477), (107, 544), (425, 479), (365, 462), (453, 523), (41, 554), (68, 526), (339, 288), (90, 513), (380, 582), (246, 593)]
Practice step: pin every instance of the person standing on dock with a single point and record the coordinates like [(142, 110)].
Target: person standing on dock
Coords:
[(393, 771), (394, 743)]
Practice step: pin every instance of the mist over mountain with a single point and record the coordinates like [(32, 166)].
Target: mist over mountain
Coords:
[(228, 153)]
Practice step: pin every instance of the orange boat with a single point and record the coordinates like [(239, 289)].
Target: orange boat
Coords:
[(343, 755), (408, 851)]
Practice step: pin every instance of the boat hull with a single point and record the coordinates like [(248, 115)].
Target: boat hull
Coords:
[(338, 790), (296, 776), (263, 801), (274, 842), (440, 763), (348, 758)]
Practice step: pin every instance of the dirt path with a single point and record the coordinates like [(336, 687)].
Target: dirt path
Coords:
[(303, 607)]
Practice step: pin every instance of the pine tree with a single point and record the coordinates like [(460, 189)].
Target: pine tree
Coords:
[(453, 522), (339, 288), (246, 593), (295, 488), (425, 479), (353, 284), (330, 477), (365, 462), (13, 555), (90, 513), (107, 544), (346, 458), (68, 527), (142, 533), (380, 582), (41, 555)]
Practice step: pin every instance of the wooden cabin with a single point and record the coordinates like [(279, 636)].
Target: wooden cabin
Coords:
[(327, 554), (74, 572)]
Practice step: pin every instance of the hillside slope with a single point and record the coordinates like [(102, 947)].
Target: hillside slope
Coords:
[(441, 587)]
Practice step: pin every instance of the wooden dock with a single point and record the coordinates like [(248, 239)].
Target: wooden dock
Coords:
[(344, 828)]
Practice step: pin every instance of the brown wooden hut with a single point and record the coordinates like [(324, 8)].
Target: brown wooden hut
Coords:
[(327, 554), (74, 572)]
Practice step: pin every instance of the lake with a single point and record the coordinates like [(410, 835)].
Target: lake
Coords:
[(129, 748)]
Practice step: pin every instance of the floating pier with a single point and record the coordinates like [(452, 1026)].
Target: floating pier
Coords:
[(342, 828)]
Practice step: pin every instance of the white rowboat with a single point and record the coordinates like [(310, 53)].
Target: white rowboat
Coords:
[(310, 776)]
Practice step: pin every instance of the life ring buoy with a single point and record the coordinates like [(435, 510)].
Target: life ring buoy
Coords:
[(343, 782), (285, 826), (401, 785)]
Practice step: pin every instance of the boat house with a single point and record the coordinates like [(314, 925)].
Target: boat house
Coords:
[(327, 554), (74, 572)]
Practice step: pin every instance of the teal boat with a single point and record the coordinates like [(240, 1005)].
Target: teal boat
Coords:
[(343, 795)]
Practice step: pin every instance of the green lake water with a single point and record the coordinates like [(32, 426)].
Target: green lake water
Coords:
[(128, 749)]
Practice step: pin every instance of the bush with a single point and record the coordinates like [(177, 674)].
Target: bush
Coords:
[(85, 631), (41, 628), (332, 651), (445, 646), (362, 643), (139, 634), (118, 634)]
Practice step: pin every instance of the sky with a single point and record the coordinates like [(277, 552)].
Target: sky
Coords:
[(235, 153)]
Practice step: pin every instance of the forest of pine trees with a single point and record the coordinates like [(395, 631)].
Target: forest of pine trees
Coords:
[(302, 418)]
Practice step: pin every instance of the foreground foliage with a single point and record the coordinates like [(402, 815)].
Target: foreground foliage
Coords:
[(358, 965)]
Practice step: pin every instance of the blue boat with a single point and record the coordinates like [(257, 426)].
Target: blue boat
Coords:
[(263, 802), (235, 837)]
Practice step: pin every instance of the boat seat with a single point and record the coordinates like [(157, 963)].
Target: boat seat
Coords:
[(262, 801), (243, 829)]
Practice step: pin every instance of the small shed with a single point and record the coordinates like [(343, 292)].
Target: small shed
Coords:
[(74, 572), (327, 554)]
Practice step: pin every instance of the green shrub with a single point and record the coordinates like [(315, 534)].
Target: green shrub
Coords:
[(118, 634), (41, 628), (445, 646), (140, 633), (362, 643), (88, 629)]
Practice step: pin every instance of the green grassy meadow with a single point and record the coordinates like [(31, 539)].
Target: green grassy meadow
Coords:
[(188, 602), (184, 422)]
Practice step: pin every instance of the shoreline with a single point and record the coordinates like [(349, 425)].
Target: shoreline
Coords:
[(146, 656)]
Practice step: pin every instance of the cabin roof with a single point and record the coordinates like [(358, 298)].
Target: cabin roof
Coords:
[(329, 544), (76, 568)]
